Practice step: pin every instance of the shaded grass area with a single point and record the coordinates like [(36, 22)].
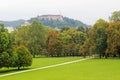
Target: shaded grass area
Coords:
[(39, 62), (5, 71), (94, 69)]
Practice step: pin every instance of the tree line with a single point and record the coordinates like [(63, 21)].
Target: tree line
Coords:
[(102, 39), (10, 55), (18, 47)]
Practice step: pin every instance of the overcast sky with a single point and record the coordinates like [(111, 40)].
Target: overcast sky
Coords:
[(87, 11)]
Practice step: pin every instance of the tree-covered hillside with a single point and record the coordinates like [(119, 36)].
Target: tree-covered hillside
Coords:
[(13, 24), (58, 23), (47, 22)]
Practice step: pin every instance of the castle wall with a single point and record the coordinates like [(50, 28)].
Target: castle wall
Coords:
[(51, 17)]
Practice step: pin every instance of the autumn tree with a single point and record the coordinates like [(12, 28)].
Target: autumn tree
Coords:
[(54, 45), (85, 48), (98, 37), (113, 40)]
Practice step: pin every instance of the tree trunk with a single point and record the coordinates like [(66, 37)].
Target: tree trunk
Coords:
[(106, 56), (114, 55), (18, 68), (100, 56), (34, 55)]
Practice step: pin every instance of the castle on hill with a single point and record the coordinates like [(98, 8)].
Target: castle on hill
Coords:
[(51, 17)]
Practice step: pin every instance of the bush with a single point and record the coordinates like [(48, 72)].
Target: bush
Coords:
[(24, 58)]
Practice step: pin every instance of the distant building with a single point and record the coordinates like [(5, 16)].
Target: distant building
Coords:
[(26, 23), (51, 17), (10, 29)]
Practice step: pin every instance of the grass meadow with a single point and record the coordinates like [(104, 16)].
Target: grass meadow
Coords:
[(93, 69), (40, 62)]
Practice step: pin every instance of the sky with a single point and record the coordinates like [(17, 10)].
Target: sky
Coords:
[(87, 11)]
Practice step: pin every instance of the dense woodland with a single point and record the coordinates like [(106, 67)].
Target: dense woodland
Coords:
[(34, 40)]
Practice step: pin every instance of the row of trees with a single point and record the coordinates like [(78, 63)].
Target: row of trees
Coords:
[(32, 36), (102, 39), (41, 40), (18, 48), (11, 56), (66, 43)]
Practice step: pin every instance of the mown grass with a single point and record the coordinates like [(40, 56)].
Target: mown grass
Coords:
[(94, 69), (40, 62)]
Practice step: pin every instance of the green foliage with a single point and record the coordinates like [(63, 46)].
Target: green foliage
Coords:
[(115, 16), (20, 36), (5, 47), (8, 58), (65, 43), (15, 24), (32, 36), (113, 40), (58, 23), (85, 48), (24, 58), (65, 28), (98, 37), (4, 59), (4, 41), (4, 38), (83, 29), (101, 39), (37, 38)]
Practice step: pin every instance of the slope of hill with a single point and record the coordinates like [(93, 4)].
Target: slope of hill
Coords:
[(48, 20), (13, 24), (58, 21)]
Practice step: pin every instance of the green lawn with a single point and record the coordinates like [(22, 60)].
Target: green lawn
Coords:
[(40, 62), (94, 69)]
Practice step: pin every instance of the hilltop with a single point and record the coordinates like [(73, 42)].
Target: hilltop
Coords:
[(48, 20), (58, 21)]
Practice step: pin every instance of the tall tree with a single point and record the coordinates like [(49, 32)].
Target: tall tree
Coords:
[(113, 40), (37, 38), (54, 46), (98, 37), (5, 48), (4, 38), (115, 16)]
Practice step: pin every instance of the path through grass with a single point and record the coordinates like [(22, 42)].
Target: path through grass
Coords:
[(40, 62), (94, 69)]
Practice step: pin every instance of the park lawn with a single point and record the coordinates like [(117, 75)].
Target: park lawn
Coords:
[(40, 62), (94, 69)]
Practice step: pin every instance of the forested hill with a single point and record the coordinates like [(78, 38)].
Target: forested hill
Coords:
[(59, 22), (14, 24), (47, 20)]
